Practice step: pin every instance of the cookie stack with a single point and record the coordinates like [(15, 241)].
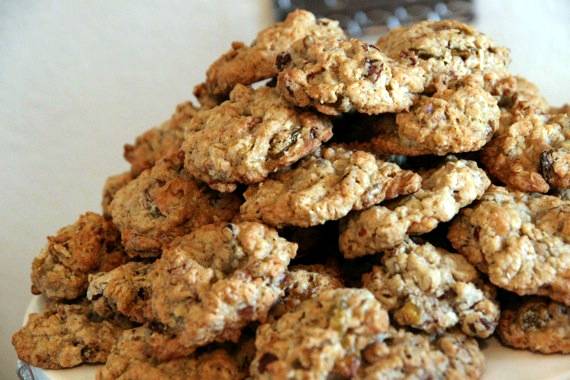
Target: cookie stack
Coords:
[(332, 209)]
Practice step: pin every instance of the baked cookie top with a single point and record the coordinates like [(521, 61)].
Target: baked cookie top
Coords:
[(113, 184), (532, 154), (161, 141), (213, 282), (303, 282), (63, 337), (248, 64), (521, 240), (445, 190), (337, 76), (91, 244), (453, 120), (165, 202), (433, 290), (326, 186), (446, 50), (254, 133), (324, 336), (400, 354), (128, 361), (124, 290), (536, 324)]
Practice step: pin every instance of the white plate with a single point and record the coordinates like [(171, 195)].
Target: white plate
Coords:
[(502, 363)]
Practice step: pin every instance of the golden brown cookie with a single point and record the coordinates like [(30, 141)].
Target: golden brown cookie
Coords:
[(252, 134), (400, 354), (213, 282), (248, 64), (536, 324), (521, 240), (337, 76), (446, 50), (531, 154), (91, 244), (159, 142), (326, 186), (124, 290), (163, 203), (324, 336), (433, 290), (445, 190), (112, 185), (303, 282), (64, 337), (129, 360), (453, 120)]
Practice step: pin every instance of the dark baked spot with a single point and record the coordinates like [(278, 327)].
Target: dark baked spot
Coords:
[(546, 163), (282, 60), (265, 360)]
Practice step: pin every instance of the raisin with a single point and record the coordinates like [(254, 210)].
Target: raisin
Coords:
[(282, 60)]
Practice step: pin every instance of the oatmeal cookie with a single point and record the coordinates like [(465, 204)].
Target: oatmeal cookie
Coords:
[(533, 154), (446, 50), (248, 64), (521, 240), (214, 281), (254, 133), (163, 203), (129, 360), (326, 186), (206, 99), (433, 290), (444, 192), (564, 194), (536, 324), (337, 76), (160, 141), (63, 337), (400, 354), (303, 282), (89, 245), (125, 290), (324, 336), (453, 120), (112, 185)]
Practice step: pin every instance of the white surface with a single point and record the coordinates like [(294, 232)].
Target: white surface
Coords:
[(502, 363), (79, 79)]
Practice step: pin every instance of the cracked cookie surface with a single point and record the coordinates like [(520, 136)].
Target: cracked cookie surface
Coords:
[(64, 337), (433, 290), (337, 76), (324, 336), (400, 354), (91, 244), (159, 142), (124, 290), (536, 324), (249, 136), (213, 282), (113, 184), (533, 154), (446, 50), (128, 360), (326, 186), (303, 282), (248, 64), (521, 240), (453, 120), (163, 203), (445, 190)]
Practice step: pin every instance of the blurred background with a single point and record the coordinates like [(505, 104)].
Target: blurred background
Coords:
[(80, 79)]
